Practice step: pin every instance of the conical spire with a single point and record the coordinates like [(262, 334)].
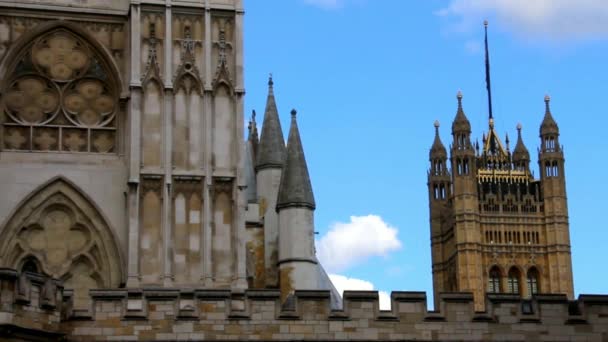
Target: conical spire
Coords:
[(548, 126), (271, 150), (520, 152), (461, 123), (437, 150), (295, 189)]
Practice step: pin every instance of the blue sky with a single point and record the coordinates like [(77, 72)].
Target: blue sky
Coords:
[(369, 78)]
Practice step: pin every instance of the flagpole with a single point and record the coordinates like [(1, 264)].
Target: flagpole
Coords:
[(488, 85)]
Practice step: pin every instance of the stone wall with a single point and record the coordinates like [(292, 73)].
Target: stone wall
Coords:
[(29, 311)]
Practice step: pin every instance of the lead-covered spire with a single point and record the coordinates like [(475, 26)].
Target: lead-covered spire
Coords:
[(295, 189), (460, 124), (548, 126), (520, 153), (437, 149), (271, 149)]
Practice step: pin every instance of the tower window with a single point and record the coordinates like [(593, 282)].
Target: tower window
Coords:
[(494, 280), (532, 280), (513, 281)]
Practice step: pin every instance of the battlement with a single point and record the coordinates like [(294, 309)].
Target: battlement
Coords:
[(32, 305)]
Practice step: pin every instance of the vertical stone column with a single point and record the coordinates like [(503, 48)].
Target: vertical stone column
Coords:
[(207, 198), (135, 148), (241, 200), (168, 145)]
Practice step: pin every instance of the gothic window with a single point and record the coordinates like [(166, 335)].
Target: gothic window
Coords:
[(30, 265), (532, 280), (59, 233), (494, 280), (59, 97), (513, 281)]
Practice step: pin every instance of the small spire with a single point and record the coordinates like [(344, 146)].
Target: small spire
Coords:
[(461, 122), (295, 189), (271, 150), (437, 149), (520, 153), (507, 140), (548, 126)]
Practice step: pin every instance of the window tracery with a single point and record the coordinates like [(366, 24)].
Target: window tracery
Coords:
[(59, 97)]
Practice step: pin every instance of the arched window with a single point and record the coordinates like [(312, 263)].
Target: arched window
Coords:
[(30, 265), (532, 280), (494, 280), (513, 281), (59, 96)]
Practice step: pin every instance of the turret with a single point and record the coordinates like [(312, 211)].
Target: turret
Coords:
[(295, 207), (268, 166), (439, 177), (462, 151), (551, 157), (553, 183), (521, 156)]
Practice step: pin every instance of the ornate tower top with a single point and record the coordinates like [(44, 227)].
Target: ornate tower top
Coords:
[(461, 122), (295, 189), (548, 126)]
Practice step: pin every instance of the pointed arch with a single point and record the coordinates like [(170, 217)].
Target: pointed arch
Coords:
[(60, 227), (12, 57), (60, 93)]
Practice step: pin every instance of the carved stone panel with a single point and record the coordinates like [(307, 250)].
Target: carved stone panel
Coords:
[(60, 97)]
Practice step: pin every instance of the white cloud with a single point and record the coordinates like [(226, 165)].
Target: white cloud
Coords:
[(343, 283), (552, 19), (326, 4), (363, 237)]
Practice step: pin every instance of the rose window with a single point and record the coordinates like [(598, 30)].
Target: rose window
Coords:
[(59, 97)]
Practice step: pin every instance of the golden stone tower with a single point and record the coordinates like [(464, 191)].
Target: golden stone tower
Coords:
[(494, 227)]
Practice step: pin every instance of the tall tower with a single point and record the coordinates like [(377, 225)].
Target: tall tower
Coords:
[(499, 230)]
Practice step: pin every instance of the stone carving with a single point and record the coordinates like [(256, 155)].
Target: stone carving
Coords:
[(89, 103), (63, 232), (152, 68), (59, 91), (60, 56), (32, 100), (223, 47)]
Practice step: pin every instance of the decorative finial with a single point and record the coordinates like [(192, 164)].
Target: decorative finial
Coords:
[(519, 127), (485, 23), (547, 101), (253, 115), (436, 124), (293, 113), (459, 97), (507, 140), (547, 98), (491, 123), (270, 82)]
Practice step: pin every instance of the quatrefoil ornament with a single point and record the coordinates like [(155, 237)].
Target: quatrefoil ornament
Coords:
[(61, 57), (32, 100), (88, 103)]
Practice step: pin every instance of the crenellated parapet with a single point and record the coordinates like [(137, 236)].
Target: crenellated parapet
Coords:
[(203, 314)]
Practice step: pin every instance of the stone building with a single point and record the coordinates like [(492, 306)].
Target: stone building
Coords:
[(494, 227), (133, 207)]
